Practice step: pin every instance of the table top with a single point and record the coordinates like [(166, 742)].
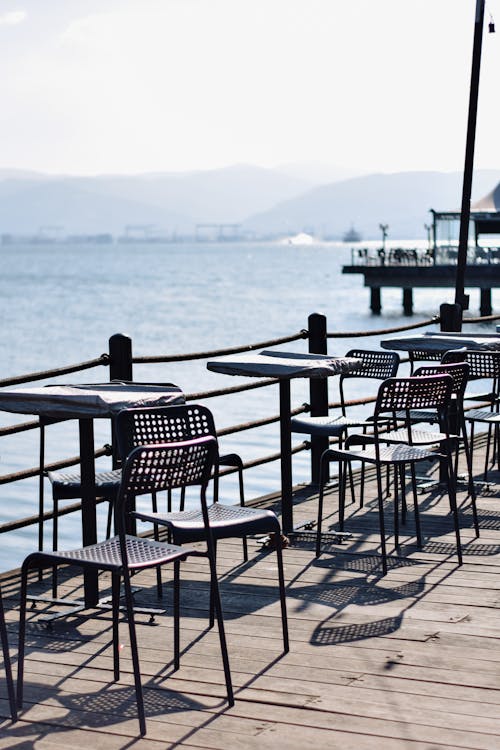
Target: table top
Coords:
[(87, 401), (442, 342), (284, 365)]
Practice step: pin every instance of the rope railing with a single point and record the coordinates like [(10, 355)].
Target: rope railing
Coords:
[(160, 358), (382, 331), (56, 465), (483, 319), (110, 361), (46, 374)]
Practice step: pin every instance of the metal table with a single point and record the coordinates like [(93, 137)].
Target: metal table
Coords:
[(86, 403), (284, 366), (443, 342)]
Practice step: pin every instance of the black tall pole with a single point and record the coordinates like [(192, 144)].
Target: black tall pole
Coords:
[(460, 297)]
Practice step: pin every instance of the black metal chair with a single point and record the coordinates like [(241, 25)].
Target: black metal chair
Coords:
[(66, 485), (226, 521), (7, 665), (376, 365), (147, 469), (483, 365), (459, 372), (399, 395)]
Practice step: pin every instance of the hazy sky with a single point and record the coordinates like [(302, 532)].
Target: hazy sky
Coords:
[(92, 86)]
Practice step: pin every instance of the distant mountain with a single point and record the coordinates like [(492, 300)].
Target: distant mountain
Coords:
[(172, 201), (265, 202), (318, 173), (401, 200)]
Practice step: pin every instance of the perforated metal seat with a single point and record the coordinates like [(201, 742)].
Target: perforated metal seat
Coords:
[(147, 469), (394, 395), (107, 555), (226, 521)]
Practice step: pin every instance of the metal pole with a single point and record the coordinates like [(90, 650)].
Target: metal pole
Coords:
[(460, 297)]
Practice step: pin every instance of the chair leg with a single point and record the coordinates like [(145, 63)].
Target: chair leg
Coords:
[(55, 533), (381, 520), (418, 531), (7, 664), (453, 501), (472, 489), (215, 593), (156, 535), (281, 577), (242, 504), (177, 566), (134, 651), (22, 635), (396, 508), (115, 604), (323, 460), (109, 519), (342, 493), (211, 621)]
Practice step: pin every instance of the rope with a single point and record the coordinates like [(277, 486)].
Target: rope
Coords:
[(383, 331), (35, 471), (233, 389), (219, 352), (44, 374), (484, 319)]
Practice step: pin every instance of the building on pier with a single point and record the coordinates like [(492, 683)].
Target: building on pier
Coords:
[(435, 266)]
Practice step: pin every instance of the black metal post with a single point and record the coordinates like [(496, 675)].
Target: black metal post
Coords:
[(286, 457), (460, 297), (120, 355), (120, 368), (318, 388), (450, 317)]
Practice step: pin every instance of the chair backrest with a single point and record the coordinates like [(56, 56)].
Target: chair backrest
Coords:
[(405, 394), (482, 364), (418, 355), (164, 424), (165, 466), (375, 364), (459, 372)]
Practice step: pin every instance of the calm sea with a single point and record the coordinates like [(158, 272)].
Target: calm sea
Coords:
[(59, 304)]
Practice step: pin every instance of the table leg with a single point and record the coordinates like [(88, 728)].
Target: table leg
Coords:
[(89, 521), (286, 456)]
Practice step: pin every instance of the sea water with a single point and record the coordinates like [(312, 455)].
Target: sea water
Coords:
[(60, 303)]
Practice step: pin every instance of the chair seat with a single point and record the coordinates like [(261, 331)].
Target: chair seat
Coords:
[(226, 521), (483, 415), (68, 485), (107, 555), (418, 437), (326, 426), (396, 453)]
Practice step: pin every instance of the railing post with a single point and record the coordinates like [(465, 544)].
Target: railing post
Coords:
[(450, 317), (318, 388), (120, 357), (120, 368)]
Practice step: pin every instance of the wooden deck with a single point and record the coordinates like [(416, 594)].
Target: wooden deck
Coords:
[(411, 660)]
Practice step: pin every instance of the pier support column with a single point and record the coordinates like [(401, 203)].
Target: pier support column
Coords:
[(375, 300), (408, 301), (485, 304)]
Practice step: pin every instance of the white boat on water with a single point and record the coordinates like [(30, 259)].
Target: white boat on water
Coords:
[(302, 238)]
